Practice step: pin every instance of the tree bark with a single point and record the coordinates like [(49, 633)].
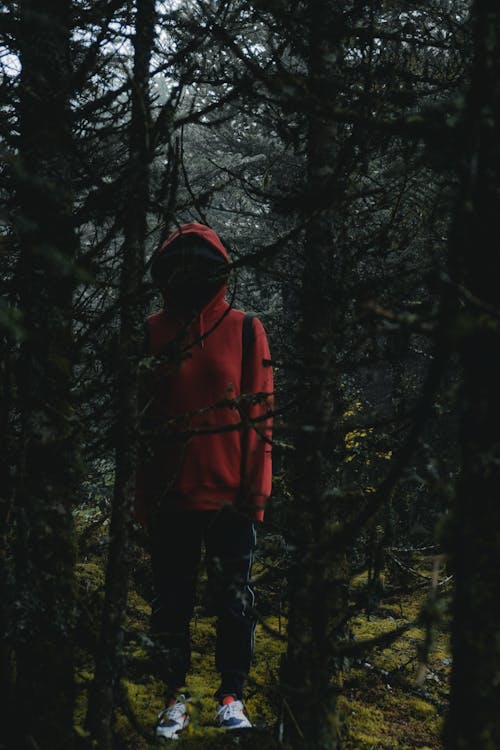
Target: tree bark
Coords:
[(108, 666), (9, 437), (319, 577), (474, 718), (49, 466)]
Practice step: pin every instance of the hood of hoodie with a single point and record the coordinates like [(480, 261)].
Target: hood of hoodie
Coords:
[(202, 231), (217, 302)]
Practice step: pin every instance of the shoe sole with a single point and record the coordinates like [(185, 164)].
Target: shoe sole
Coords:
[(175, 735)]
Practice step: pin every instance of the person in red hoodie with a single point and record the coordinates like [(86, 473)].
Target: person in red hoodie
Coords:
[(204, 472)]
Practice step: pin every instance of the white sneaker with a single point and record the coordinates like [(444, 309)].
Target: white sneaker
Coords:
[(231, 716), (173, 719)]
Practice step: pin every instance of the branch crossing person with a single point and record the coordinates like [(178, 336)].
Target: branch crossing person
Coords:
[(204, 473)]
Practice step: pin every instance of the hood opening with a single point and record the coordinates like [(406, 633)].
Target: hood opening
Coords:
[(189, 241), (191, 269)]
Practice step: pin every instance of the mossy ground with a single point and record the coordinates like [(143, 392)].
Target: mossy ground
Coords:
[(390, 700)]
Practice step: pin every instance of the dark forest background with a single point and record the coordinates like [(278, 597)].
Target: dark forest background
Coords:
[(348, 154)]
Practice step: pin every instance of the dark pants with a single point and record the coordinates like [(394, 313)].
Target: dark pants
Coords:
[(176, 540)]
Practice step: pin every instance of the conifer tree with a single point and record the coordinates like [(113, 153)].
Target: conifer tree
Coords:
[(134, 217), (474, 720), (49, 469)]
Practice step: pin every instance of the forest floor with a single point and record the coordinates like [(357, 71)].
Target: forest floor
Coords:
[(390, 700)]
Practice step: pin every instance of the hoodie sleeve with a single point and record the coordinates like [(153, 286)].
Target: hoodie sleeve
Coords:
[(257, 382)]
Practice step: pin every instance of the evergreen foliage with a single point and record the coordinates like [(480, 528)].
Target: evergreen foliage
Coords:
[(347, 154)]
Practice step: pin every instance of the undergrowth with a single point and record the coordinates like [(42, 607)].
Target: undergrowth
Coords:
[(391, 698)]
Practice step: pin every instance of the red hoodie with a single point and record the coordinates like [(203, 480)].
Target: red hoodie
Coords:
[(204, 459)]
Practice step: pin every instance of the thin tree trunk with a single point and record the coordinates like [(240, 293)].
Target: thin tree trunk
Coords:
[(49, 466), (9, 438), (108, 667), (319, 578), (474, 716)]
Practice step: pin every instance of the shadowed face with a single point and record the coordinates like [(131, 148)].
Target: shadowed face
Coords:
[(189, 282)]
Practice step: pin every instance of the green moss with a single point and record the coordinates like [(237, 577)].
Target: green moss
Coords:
[(367, 727), (396, 721), (421, 709), (145, 700), (89, 575), (138, 612), (377, 716), (136, 604), (203, 634), (416, 720)]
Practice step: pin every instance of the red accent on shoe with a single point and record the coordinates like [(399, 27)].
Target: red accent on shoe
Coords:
[(228, 699)]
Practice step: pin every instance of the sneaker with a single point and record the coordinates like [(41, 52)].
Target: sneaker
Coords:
[(230, 714), (173, 719)]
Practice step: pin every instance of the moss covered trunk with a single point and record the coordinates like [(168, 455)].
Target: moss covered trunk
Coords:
[(49, 465), (474, 717), (108, 667)]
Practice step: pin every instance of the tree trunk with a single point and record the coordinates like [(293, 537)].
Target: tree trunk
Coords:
[(474, 717), (9, 439), (49, 467), (318, 580), (108, 667)]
